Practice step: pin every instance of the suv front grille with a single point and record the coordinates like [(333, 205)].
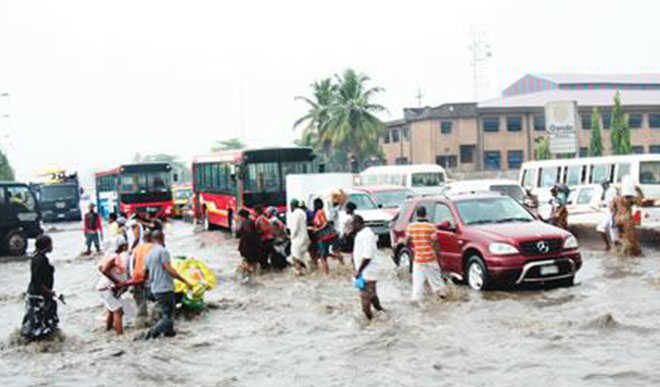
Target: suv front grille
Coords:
[(536, 247)]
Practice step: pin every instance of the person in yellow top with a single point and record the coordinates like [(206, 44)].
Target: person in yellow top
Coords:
[(422, 236)]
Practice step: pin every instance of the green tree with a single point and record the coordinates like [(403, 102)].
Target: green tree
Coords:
[(316, 119), (543, 149), (596, 142), (353, 123), (6, 171), (229, 144), (620, 131)]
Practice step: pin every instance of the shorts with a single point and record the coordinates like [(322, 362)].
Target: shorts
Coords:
[(111, 301), (430, 272)]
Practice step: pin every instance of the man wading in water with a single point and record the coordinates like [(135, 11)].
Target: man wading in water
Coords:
[(161, 276), (93, 230), (423, 237), (364, 255)]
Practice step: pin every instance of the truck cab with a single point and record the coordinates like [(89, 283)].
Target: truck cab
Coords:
[(20, 217)]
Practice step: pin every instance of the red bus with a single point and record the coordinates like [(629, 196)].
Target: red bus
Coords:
[(135, 188), (225, 182)]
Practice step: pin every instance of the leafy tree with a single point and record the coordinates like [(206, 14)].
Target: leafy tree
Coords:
[(620, 131), (341, 120), (229, 144), (596, 143), (6, 171), (543, 149)]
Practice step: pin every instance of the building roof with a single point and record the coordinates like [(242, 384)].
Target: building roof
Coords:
[(576, 78), (583, 97), (393, 123), (448, 110)]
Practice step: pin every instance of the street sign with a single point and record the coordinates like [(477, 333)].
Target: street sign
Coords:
[(560, 119)]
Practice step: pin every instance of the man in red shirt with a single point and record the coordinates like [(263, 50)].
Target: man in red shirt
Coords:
[(265, 230), (92, 229)]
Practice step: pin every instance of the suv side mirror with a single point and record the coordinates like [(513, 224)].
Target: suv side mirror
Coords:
[(445, 226)]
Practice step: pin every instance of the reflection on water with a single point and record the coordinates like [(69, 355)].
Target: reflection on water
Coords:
[(285, 330)]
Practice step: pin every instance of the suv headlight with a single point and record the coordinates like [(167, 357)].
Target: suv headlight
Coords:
[(498, 248), (571, 243)]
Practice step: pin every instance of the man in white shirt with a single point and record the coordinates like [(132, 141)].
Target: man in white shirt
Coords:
[(297, 225), (364, 254), (606, 227)]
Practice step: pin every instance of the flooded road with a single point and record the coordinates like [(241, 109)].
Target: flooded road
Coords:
[(281, 330)]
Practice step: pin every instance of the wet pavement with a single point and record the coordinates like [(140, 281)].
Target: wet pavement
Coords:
[(282, 330)]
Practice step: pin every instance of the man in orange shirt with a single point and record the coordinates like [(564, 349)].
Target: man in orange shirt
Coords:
[(138, 266), (423, 237)]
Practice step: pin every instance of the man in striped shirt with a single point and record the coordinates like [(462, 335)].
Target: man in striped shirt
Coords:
[(423, 238)]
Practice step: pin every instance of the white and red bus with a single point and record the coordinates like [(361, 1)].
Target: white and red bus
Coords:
[(133, 188), (227, 181)]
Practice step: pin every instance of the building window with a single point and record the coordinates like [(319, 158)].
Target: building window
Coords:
[(406, 134), (446, 161), (514, 123), (607, 119), (654, 121), (445, 127), (395, 135), (635, 120), (491, 124), (515, 158), (401, 161), (654, 149), (467, 153), (539, 122), (386, 137), (638, 149), (586, 121), (584, 151), (492, 160)]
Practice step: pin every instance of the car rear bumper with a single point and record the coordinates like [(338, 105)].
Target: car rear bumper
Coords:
[(531, 269)]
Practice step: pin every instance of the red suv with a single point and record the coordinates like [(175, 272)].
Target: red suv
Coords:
[(490, 239)]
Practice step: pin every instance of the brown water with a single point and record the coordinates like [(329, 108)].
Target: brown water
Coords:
[(281, 330)]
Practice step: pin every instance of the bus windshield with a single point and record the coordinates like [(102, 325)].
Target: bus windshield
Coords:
[(51, 193), (145, 182), (649, 172), (427, 179)]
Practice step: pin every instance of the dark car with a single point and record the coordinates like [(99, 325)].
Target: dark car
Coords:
[(20, 217), (491, 240)]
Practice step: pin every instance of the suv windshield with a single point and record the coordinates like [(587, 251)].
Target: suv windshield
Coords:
[(49, 193), (390, 199), (492, 210), (362, 201), (513, 191)]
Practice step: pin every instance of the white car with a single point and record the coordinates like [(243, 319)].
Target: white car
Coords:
[(507, 187), (375, 218)]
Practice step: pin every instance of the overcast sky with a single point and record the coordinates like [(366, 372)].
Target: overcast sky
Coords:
[(93, 82)]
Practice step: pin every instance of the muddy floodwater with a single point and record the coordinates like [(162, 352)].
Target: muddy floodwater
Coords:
[(281, 330)]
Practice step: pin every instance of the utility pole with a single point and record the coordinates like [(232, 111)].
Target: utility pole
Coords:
[(480, 51), (419, 97)]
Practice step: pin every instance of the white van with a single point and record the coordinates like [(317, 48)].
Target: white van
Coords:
[(422, 179)]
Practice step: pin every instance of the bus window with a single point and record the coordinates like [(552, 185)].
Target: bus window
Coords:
[(600, 173), (263, 177), (574, 175), (427, 179), (549, 177), (624, 170), (528, 178)]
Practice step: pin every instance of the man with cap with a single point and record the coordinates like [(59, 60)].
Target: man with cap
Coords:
[(92, 229), (297, 225)]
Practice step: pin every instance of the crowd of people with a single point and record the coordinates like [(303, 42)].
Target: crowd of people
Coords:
[(136, 257)]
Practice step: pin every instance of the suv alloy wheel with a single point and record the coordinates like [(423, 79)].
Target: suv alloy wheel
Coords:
[(476, 274)]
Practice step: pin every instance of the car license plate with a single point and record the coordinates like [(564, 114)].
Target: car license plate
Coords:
[(60, 205), (549, 270)]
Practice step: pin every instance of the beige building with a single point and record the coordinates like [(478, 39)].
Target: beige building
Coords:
[(500, 134)]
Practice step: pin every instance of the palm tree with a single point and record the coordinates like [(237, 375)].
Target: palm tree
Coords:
[(353, 123), (229, 144), (318, 115)]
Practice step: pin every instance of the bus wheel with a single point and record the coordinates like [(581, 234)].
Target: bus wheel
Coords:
[(16, 243)]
